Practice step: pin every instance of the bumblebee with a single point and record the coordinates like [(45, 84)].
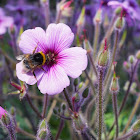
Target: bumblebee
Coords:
[(32, 61)]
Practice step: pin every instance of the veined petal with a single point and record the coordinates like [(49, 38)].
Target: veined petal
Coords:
[(33, 38), (53, 81), (28, 77), (59, 37), (73, 60)]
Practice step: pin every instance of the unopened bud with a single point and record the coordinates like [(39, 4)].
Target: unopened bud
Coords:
[(42, 134), (76, 82), (136, 126), (87, 45), (114, 88), (63, 106), (81, 19), (119, 23), (106, 21), (126, 65), (78, 122), (55, 111), (104, 56), (12, 29), (76, 97), (85, 93), (80, 85), (6, 119), (118, 11), (12, 111), (98, 16), (131, 59), (138, 55)]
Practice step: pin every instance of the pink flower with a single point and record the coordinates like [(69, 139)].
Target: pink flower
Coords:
[(2, 112), (5, 21), (64, 62)]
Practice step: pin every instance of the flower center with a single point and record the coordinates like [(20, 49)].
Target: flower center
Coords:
[(51, 58)]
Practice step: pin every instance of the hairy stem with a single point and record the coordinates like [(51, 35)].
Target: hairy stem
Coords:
[(32, 106), (100, 105), (114, 98), (47, 13), (58, 17), (132, 115), (45, 105), (60, 129), (126, 136), (126, 94), (92, 63), (113, 56), (19, 130), (68, 99), (90, 81)]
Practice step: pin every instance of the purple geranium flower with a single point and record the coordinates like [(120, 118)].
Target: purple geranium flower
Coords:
[(2, 112), (129, 8), (5, 21), (64, 61)]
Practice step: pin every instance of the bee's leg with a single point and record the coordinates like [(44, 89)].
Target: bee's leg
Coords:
[(34, 75), (35, 48), (43, 69)]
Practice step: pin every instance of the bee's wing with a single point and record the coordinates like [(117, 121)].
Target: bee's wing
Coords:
[(20, 57)]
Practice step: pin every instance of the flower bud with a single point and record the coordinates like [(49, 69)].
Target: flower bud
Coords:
[(63, 106), (131, 59), (78, 123), (85, 93), (42, 134), (21, 89), (6, 119), (136, 126), (80, 85), (76, 82), (12, 111), (106, 21), (138, 55), (119, 23), (98, 16), (55, 111), (118, 11), (12, 29), (114, 88), (87, 46), (81, 21), (126, 65), (103, 57), (76, 97), (2, 112)]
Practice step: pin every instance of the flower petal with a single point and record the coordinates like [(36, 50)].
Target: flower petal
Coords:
[(73, 60), (33, 38), (28, 77), (59, 37), (54, 81)]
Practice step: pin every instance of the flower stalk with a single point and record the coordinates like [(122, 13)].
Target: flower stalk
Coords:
[(132, 115), (100, 105), (45, 105)]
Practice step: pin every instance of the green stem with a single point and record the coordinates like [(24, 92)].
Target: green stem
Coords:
[(19, 130), (96, 37), (32, 106), (113, 56), (128, 135), (68, 99), (58, 16), (90, 81), (45, 105), (114, 98), (47, 13), (100, 104), (132, 115)]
